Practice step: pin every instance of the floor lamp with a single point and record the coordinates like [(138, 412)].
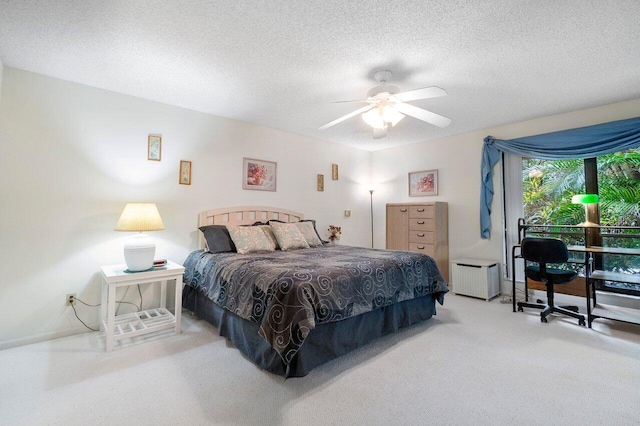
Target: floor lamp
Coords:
[(371, 193)]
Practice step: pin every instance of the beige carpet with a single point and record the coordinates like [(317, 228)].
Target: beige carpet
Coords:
[(475, 363)]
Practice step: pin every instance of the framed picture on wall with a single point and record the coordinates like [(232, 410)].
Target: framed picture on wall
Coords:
[(185, 172), (259, 175), (320, 183), (154, 147), (423, 183), (334, 172)]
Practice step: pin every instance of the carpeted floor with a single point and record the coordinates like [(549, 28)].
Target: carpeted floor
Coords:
[(475, 363)]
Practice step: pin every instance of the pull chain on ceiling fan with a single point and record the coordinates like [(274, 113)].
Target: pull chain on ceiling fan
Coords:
[(386, 106)]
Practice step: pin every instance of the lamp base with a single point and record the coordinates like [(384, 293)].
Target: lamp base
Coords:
[(139, 252)]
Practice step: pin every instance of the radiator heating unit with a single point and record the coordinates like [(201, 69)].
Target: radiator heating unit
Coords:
[(475, 277)]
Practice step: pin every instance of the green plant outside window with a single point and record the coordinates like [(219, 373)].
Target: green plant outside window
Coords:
[(549, 185)]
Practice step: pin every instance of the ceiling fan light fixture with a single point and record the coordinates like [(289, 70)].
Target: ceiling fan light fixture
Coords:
[(387, 106), (373, 118), (397, 119), (391, 115)]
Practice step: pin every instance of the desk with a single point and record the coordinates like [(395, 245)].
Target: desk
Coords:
[(611, 312), (599, 310)]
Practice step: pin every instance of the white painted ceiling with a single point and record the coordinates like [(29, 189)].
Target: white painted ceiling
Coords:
[(281, 64)]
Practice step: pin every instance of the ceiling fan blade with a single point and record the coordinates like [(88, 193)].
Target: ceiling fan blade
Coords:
[(422, 114), (346, 117), (380, 133), (424, 93)]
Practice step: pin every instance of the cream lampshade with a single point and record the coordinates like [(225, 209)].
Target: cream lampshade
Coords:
[(139, 250)]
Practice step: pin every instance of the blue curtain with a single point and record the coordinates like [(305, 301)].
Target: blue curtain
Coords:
[(584, 142)]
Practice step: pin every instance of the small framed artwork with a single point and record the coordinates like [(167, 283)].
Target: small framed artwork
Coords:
[(423, 183), (185, 172), (154, 148), (320, 182), (259, 175), (334, 172)]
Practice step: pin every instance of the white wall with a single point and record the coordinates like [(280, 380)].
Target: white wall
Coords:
[(457, 159), (71, 156)]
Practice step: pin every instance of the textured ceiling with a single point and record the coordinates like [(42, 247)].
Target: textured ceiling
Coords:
[(281, 64)]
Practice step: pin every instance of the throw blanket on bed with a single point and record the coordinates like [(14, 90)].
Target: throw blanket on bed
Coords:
[(289, 293)]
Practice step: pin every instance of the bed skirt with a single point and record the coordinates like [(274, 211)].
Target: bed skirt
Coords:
[(324, 343)]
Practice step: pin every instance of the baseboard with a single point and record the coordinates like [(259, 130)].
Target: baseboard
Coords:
[(22, 341)]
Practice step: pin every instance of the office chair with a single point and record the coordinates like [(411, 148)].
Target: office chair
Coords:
[(544, 251)]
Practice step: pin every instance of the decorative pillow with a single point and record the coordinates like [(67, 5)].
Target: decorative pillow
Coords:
[(218, 239), (270, 236), (249, 239), (309, 233), (315, 230), (289, 236), (304, 220)]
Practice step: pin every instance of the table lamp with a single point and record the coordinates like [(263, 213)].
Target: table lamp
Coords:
[(139, 250), (586, 199)]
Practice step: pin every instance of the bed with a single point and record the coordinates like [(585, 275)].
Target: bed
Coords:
[(292, 310)]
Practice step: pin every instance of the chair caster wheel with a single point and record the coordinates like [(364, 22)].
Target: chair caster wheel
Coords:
[(520, 309), (543, 319), (582, 322), (539, 301)]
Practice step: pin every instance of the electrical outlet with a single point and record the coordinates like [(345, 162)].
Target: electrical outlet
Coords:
[(71, 299)]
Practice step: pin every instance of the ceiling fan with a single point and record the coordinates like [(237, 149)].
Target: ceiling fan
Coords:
[(386, 106)]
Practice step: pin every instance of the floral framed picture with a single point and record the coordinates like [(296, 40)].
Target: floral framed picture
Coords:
[(154, 147), (259, 175), (185, 172), (423, 183)]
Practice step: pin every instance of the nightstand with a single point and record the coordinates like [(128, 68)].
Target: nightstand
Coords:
[(143, 322)]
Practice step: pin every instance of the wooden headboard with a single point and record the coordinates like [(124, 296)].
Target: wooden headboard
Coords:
[(245, 215)]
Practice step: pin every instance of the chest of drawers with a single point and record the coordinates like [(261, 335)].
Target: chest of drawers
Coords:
[(420, 227)]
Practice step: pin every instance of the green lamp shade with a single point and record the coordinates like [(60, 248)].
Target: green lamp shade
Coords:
[(585, 199)]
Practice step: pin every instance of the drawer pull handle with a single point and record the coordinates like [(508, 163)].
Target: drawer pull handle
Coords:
[(421, 222), (420, 210), (403, 210), (420, 235), (420, 247)]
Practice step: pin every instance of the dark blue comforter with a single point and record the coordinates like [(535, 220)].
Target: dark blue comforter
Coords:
[(289, 293)]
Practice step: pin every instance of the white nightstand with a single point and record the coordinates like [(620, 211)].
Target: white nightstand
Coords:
[(143, 322)]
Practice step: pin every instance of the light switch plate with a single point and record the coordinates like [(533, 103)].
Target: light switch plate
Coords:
[(347, 213)]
